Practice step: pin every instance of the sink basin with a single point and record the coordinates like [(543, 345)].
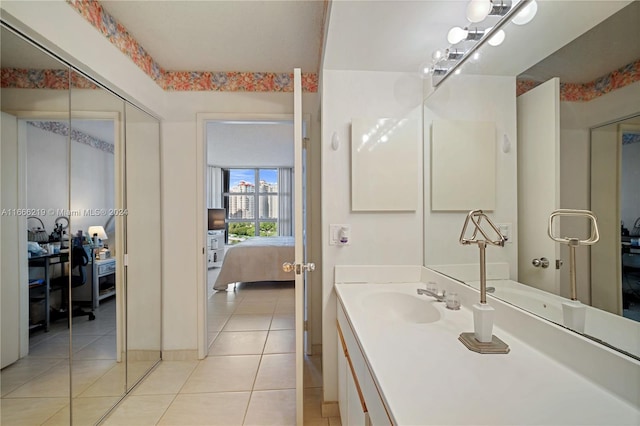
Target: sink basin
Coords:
[(401, 307)]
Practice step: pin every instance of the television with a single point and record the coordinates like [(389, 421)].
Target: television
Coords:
[(216, 219)]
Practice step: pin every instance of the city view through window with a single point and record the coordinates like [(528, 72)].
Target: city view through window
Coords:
[(250, 212)]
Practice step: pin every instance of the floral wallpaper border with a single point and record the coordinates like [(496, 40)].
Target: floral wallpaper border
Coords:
[(22, 78), (62, 129), (583, 92), (118, 35), (631, 137)]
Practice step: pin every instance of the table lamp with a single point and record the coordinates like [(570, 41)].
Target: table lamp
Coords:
[(97, 233)]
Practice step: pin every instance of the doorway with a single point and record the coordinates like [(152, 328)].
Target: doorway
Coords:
[(615, 175)]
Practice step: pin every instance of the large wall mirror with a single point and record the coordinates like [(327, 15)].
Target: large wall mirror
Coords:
[(564, 94), (79, 329)]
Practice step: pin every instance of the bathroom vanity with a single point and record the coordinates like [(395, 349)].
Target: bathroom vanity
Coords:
[(400, 361)]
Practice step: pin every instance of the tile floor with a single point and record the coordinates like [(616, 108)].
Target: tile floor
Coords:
[(35, 389), (248, 377)]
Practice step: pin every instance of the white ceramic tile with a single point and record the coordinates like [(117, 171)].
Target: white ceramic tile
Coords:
[(139, 410), (256, 307), (248, 322), (25, 369), (86, 372), (312, 368), (86, 411), (272, 407), (112, 383), (54, 383), (283, 322), (30, 411), (167, 378), (102, 348), (211, 409), (239, 343), (277, 371), (216, 322), (312, 404), (280, 341), (223, 374)]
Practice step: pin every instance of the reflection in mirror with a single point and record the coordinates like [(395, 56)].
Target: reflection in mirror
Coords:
[(141, 212), (98, 368), (597, 88), (35, 253)]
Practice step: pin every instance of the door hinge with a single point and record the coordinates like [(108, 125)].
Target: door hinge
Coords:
[(559, 263)]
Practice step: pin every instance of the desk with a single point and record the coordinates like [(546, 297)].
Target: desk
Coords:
[(44, 261), (103, 280)]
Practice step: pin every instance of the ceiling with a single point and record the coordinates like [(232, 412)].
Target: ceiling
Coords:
[(277, 36), (610, 45), (244, 36)]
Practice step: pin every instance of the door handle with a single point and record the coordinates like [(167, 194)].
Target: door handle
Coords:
[(543, 263), (298, 267)]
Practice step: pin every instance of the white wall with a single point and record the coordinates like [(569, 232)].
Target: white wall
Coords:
[(92, 177), (376, 238), (474, 98), (250, 145)]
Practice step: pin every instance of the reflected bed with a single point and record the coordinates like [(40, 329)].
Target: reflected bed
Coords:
[(256, 259)]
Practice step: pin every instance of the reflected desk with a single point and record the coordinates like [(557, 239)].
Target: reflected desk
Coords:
[(45, 261)]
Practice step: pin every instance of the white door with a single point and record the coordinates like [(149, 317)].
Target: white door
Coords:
[(13, 259), (606, 274), (300, 267), (538, 183)]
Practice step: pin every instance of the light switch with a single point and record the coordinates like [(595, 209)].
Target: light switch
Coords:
[(339, 235), (505, 230)]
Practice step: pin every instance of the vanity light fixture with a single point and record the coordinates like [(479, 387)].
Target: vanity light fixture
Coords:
[(454, 54), (478, 10), (457, 34), (497, 38), (519, 12), (526, 14)]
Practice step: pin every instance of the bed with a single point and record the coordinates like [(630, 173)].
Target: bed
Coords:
[(256, 259)]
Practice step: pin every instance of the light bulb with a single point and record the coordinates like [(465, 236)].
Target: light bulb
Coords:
[(497, 38), (526, 14), (456, 35), (437, 55), (478, 10), (425, 70)]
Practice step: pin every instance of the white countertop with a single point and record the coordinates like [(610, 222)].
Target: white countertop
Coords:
[(427, 377)]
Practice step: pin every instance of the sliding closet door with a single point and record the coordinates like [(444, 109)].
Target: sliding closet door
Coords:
[(143, 242), (35, 192), (98, 370)]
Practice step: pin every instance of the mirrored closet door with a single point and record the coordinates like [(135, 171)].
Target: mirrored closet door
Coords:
[(36, 339), (98, 368), (80, 183)]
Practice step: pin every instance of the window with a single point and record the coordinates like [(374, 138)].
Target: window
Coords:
[(252, 202)]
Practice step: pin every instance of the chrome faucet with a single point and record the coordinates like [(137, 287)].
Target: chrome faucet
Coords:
[(438, 296)]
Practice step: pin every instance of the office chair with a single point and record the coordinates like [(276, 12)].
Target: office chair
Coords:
[(78, 272)]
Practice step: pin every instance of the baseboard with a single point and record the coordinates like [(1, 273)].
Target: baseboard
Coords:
[(180, 355), (142, 355), (330, 409)]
